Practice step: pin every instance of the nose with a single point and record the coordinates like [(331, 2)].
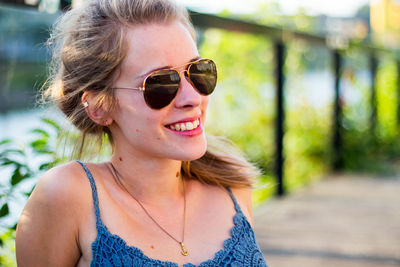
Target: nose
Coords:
[(187, 95)]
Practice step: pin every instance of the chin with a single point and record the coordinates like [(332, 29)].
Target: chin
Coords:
[(192, 153), (195, 156)]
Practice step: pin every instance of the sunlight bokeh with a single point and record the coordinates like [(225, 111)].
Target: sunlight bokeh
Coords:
[(340, 8)]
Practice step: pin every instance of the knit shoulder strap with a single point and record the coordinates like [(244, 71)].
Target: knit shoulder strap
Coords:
[(237, 207), (94, 192)]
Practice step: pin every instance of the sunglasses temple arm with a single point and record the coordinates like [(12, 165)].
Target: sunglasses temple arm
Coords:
[(128, 88)]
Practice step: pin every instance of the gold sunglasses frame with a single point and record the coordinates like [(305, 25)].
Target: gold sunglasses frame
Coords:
[(143, 87)]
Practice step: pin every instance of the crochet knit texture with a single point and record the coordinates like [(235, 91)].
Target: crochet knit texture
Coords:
[(110, 250)]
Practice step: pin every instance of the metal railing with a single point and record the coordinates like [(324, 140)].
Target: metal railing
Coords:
[(278, 36)]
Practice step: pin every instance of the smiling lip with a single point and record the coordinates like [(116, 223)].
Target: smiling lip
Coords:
[(193, 123), (189, 133)]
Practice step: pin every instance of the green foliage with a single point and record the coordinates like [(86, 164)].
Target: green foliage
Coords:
[(7, 249), (307, 140), (18, 160), (242, 106), (47, 151), (387, 98), (4, 211), (366, 149)]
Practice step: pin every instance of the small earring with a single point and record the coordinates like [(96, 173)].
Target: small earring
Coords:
[(85, 104)]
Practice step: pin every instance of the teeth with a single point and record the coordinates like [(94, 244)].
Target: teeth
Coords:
[(187, 126)]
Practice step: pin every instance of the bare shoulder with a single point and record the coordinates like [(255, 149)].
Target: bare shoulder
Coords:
[(244, 197), (47, 230), (60, 187)]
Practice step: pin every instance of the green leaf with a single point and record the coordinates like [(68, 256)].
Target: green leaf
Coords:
[(5, 141), (41, 132), (17, 176), (4, 211), (8, 161), (30, 192), (45, 151), (39, 145), (13, 151), (52, 123), (46, 166)]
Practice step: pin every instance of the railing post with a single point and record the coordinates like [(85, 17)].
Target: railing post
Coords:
[(373, 67), (280, 115), (337, 113)]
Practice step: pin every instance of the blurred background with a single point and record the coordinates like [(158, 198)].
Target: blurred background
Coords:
[(309, 90)]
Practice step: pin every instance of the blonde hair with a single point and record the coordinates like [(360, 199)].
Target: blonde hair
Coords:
[(88, 48)]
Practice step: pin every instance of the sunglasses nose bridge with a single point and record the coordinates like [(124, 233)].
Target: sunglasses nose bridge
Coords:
[(184, 72), (187, 94)]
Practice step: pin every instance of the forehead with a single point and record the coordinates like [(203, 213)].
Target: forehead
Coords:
[(154, 45)]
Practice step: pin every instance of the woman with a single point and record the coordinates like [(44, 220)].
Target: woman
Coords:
[(130, 70)]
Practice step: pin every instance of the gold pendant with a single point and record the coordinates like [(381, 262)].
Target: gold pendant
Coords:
[(184, 252)]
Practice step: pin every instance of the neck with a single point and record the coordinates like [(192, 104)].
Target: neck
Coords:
[(150, 181)]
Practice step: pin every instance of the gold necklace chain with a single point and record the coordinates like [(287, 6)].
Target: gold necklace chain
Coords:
[(184, 252)]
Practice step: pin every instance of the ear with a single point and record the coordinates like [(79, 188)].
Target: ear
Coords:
[(96, 113)]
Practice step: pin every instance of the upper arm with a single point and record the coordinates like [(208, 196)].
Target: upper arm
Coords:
[(244, 198), (47, 230)]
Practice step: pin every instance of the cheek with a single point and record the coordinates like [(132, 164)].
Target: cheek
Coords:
[(130, 100), (204, 102), (204, 105), (141, 130), (151, 125)]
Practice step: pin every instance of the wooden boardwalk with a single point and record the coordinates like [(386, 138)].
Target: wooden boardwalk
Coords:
[(345, 221)]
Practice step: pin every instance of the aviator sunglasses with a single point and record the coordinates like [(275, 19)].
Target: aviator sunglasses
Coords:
[(161, 86)]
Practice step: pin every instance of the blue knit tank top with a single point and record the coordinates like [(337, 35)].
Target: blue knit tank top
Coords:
[(112, 251)]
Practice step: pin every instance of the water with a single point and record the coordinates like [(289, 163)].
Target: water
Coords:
[(16, 124)]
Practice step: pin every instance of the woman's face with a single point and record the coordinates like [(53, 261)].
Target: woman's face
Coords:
[(145, 132)]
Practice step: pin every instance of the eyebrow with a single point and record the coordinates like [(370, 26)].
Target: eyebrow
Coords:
[(166, 67)]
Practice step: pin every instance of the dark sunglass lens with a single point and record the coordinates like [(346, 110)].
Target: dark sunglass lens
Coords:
[(203, 75), (161, 88)]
